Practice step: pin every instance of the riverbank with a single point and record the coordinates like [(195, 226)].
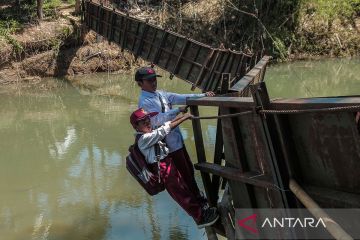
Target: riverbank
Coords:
[(59, 46)]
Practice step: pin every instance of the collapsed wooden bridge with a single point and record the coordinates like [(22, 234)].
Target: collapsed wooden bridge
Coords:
[(264, 149)]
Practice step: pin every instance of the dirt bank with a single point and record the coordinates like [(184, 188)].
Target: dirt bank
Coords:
[(58, 47)]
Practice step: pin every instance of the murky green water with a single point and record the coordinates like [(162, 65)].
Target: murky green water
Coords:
[(62, 172), (334, 77)]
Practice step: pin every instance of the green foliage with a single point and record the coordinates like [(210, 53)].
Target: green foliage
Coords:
[(278, 26), (9, 27), (51, 4), (6, 29), (331, 9)]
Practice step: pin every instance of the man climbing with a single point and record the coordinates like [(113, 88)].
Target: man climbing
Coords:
[(152, 100)]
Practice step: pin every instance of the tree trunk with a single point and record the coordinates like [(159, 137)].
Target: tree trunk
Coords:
[(77, 7), (40, 14)]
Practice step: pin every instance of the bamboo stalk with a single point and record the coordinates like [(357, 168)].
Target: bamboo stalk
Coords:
[(331, 226)]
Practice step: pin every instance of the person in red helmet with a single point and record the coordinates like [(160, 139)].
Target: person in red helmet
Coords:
[(146, 139)]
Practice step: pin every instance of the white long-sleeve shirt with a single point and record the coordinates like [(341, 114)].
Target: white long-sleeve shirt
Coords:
[(150, 102), (147, 141)]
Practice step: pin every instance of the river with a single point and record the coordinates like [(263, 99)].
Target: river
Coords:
[(62, 154)]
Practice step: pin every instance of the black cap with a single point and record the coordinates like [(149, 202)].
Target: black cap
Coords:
[(145, 73)]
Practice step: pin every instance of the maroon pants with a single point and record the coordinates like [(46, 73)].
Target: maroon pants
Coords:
[(178, 189), (184, 165)]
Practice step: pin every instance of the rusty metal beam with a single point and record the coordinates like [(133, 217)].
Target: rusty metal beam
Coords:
[(314, 103), (253, 178), (254, 75), (200, 152), (245, 103)]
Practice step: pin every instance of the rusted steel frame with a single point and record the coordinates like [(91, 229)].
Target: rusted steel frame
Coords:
[(245, 103), (277, 162), (243, 194), (163, 38), (183, 58), (152, 44), (112, 20), (210, 76), (98, 22), (120, 31), (238, 68), (228, 70), (331, 225), (238, 141), (227, 214), (287, 147), (127, 19), (135, 36), (85, 12), (218, 154), (215, 86), (183, 49), (313, 103), (92, 18), (171, 52), (200, 152), (252, 178), (138, 51), (333, 198), (251, 76), (225, 80), (192, 65), (197, 82), (125, 32)]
